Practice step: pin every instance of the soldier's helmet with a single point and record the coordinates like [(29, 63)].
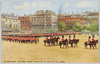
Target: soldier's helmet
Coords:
[(89, 36), (93, 35)]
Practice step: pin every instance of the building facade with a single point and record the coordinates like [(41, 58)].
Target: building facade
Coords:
[(92, 17), (43, 20), (25, 23), (69, 21), (10, 23)]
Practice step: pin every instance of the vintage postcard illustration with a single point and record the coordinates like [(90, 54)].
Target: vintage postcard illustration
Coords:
[(50, 32)]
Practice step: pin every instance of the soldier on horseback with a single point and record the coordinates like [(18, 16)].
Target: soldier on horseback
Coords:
[(62, 38), (69, 38), (93, 38), (74, 38), (89, 40), (47, 38)]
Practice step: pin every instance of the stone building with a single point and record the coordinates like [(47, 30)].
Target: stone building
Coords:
[(43, 20), (10, 23)]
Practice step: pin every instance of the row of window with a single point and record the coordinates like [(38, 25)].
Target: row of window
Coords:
[(13, 26), (42, 20), (11, 21), (25, 27), (40, 17), (25, 22)]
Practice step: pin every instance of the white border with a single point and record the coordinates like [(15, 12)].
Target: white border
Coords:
[(47, 0)]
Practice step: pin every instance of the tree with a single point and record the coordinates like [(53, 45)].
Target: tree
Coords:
[(76, 26), (61, 26), (84, 27), (93, 27)]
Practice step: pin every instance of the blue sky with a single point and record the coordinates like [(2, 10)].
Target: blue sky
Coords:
[(27, 7)]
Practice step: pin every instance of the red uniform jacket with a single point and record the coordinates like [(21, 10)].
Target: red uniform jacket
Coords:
[(69, 39), (46, 38), (62, 39), (74, 38), (88, 39), (51, 37), (93, 39)]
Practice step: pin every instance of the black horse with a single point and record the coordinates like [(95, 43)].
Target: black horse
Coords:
[(94, 44), (64, 43), (56, 40), (91, 44), (46, 41), (75, 42)]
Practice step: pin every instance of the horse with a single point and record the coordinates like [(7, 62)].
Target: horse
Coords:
[(46, 41), (52, 41), (56, 40), (71, 43), (91, 44), (94, 43), (75, 42), (88, 43), (64, 42)]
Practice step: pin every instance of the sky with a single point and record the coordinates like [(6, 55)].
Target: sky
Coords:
[(30, 7)]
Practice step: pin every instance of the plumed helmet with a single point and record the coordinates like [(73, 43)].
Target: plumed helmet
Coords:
[(89, 36)]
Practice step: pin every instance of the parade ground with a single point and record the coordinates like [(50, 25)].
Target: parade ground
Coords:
[(23, 53)]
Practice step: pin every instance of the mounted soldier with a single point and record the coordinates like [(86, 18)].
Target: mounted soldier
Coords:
[(62, 38), (74, 38), (69, 38), (89, 40), (93, 38), (47, 38)]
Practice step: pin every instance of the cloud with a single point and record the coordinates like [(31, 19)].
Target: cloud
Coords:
[(81, 5), (24, 6), (34, 4), (67, 4), (90, 4), (41, 4), (49, 3)]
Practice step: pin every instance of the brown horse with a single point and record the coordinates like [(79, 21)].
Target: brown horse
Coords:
[(56, 40), (91, 44), (64, 42), (46, 41), (86, 44), (94, 43), (75, 42), (71, 42)]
